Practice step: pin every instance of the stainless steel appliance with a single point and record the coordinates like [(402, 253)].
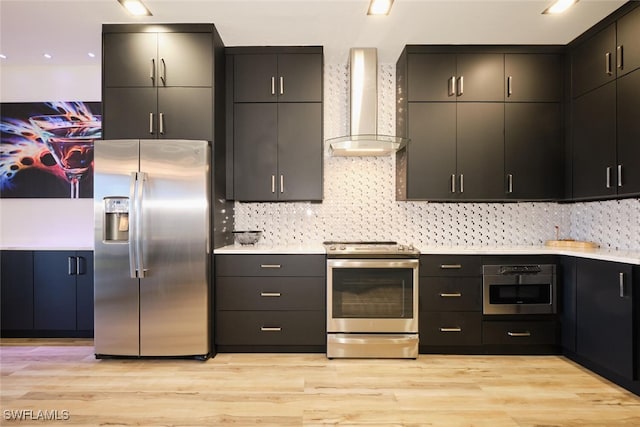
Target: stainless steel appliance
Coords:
[(152, 248), (519, 289), (372, 300)]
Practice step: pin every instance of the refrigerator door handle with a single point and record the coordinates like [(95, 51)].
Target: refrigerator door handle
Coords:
[(142, 177), (133, 225)]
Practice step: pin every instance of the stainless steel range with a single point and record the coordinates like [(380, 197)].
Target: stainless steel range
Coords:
[(372, 300)]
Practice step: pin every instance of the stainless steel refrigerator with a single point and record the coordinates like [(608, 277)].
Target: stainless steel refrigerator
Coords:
[(152, 248)]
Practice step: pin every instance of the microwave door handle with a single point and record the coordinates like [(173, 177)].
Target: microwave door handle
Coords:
[(133, 226)]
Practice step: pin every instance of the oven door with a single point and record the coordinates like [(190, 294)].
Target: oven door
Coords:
[(519, 294), (372, 295)]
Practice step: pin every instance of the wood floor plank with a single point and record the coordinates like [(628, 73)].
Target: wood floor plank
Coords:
[(305, 389)]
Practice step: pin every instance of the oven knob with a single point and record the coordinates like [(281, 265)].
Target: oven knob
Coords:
[(342, 248), (401, 248), (411, 248), (332, 248)]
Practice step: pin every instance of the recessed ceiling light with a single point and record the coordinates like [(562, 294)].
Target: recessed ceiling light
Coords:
[(135, 7), (559, 6), (3, 56), (379, 7), (48, 56), (91, 55)]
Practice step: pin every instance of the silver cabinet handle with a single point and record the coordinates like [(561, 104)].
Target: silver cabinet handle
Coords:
[(161, 123), (619, 61), (450, 266), (273, 183), (462, 183), (454, 329), (510, 183), (151, 123), (270, 294), (609, 177), (519, 334), (451, 295), (619, 175), (453, 183), (607, 63), (452, 86), (270, 329), (281, 85), (72, 266), (621, 283), (163, 76), (460, 85), (270, 266), (152, 72), (281, 183), (509, 87), (81, 266), (273, 85)]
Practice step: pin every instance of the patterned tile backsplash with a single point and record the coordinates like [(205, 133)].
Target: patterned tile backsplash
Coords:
[(359, 200)]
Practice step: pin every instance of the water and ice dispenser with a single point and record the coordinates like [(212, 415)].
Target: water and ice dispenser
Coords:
[(116, 219)]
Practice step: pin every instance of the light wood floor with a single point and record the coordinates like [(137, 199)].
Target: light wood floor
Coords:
[(305, 389)]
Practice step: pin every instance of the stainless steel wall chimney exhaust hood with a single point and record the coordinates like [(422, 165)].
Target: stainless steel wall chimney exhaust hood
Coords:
[(364, 139)]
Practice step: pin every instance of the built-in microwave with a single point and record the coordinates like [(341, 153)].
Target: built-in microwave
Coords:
[(519, 289)]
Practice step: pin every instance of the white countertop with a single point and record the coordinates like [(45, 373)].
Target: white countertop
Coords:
[(628, 257)]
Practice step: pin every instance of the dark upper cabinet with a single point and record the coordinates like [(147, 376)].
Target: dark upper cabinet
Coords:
[(158, 81), (277, 151), (455, 77), (594, 148), (628, 133), (16, 290), (604, 332), (628, 42), (533, 77), (593, 62), (284, 77), (533, 151)]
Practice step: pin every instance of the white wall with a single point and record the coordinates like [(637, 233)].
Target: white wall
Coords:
[(48, 223)]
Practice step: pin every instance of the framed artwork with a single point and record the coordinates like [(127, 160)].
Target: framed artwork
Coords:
[(46, 149)]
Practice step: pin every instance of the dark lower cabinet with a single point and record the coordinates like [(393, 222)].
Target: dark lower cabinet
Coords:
[(450, 329), (605, 321), (47, 293), (520, 333), (16, 297)]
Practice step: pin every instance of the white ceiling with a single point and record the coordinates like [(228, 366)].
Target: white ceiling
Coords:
[(69, 29)]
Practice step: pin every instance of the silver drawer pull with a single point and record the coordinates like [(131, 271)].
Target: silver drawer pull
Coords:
[(450, 266), (519, 334), (270, 329), (270, 294), (456, 329), (451, 295), (270, 266)]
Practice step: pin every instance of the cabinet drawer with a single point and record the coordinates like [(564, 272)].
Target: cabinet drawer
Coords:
[(270, 293), (451, 294), (270, 265), (455, 328), (450, 265), (271, 328), (520, 333)]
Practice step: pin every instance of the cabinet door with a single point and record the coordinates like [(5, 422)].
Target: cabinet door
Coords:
[(594, 153), (593, 62), (84, 291), (533, 77), (255, 151), (480, 77), (186, 113), (299, 77), (533, 151), (255, 78), (628, 131), (480, 150), (430, 77), (130, 59), (16, 283), (300, 151), (54, 290), (628, 42), (605, 315), (130, 113), (431, 152), (185, 59)]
